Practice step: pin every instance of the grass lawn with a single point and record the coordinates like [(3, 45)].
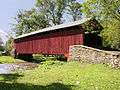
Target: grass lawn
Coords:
[(53, 75), (9, 59)]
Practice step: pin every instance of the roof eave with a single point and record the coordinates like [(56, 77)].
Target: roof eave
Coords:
[(55, 27)]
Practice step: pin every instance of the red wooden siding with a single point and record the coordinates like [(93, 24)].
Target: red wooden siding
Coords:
[(51, 42)]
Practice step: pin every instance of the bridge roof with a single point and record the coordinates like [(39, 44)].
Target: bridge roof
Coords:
[(65, 25)]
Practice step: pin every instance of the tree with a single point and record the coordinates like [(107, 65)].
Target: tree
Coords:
[(28, 21), (53, 10), (111, 34), (107, 12), (9, 46), (1, 42), (103, 9), (1, 45), (75, 10)]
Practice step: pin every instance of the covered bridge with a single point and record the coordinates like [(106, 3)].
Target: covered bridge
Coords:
[(52, 40)]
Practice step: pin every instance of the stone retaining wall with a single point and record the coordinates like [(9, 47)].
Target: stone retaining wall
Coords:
[(92, 55)]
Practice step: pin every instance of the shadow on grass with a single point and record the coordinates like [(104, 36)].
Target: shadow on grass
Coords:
[(10, 77), (9, 82), (40, 61), (21, 86), (38, 58)]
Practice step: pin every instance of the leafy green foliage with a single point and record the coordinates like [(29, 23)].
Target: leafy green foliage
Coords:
[(107, 12), (74, 8), (53, 10), (1, 45), (92, 26), (1, 42), (2, 48), (28, 21), (9, 45), (39, 58), (111, 34), (102, 9)]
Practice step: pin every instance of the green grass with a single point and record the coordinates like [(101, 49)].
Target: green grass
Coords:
[(8, 59), (63, 76)]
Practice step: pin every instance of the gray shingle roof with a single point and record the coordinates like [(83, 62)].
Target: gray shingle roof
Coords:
[(65, 25)]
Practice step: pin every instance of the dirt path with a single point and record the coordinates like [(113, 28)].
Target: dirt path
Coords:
[(9, 68)]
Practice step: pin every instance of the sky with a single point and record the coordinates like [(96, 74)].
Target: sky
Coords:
[(8, 10)]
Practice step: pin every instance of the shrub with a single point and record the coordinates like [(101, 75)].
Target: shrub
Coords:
[(111, 35), (39, 57), (0, 53), (42, 58)]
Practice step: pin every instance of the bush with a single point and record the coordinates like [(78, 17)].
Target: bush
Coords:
[(39, 57), (0, 53), (42, 58), (111, 35)]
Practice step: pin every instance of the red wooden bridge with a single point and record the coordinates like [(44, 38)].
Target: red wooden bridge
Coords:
[(52, 40)]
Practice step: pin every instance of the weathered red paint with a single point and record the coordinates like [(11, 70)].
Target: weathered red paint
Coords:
[(51, 42)]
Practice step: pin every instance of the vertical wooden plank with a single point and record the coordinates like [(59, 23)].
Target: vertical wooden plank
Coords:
[(52, 42)]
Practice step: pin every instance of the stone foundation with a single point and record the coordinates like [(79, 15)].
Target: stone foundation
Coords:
[(92, 55)]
